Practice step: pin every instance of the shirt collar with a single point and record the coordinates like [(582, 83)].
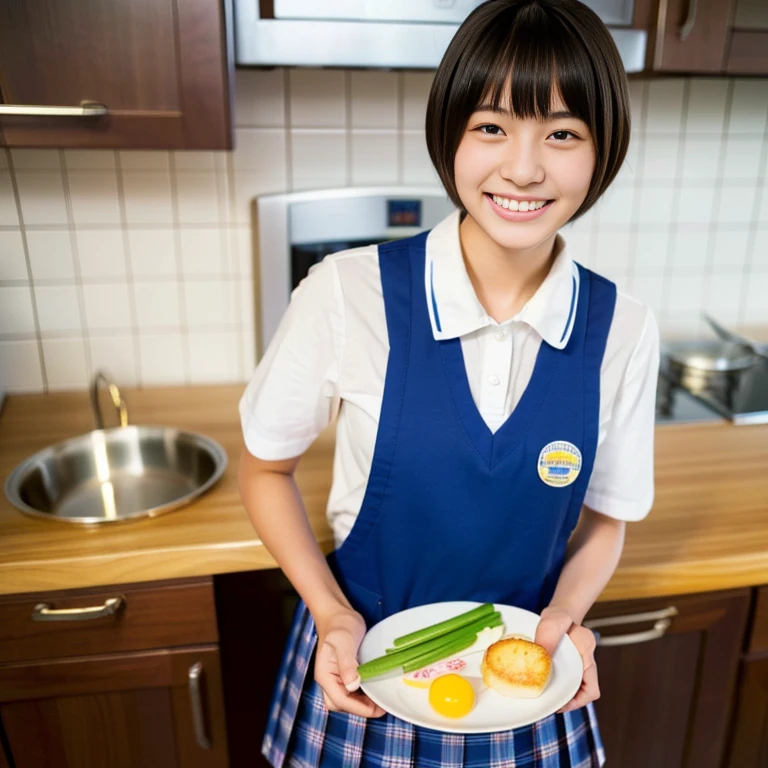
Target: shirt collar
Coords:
[(454, 309)]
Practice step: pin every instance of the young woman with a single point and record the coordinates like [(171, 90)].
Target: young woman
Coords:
[(496, 412)]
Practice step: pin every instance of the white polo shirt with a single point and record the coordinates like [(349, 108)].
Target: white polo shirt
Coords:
[(332, 346)]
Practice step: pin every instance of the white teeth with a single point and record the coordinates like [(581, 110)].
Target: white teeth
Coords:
[(513, 205)]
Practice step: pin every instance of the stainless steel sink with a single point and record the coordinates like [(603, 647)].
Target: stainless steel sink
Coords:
[(118, 474)]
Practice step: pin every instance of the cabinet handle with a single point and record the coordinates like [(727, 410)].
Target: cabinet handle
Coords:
[(86, 109), (662, 619), (44, 612), (689, 22), (196, 700)]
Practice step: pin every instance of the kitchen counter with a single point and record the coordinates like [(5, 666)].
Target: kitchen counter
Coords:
[(708, 529)]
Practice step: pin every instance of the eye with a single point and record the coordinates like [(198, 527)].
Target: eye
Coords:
[(490, 130), (561, 136)]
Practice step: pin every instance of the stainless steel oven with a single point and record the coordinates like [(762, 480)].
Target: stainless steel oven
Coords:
[(295, 231)]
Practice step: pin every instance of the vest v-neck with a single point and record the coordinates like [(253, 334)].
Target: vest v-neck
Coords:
[(494, 446)]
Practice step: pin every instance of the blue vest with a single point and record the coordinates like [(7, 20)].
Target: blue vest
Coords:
[(453, 511)]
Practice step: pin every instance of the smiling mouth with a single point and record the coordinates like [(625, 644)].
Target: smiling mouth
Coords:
[(514, 205)]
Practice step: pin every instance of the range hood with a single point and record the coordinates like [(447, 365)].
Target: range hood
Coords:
[(381, 34)]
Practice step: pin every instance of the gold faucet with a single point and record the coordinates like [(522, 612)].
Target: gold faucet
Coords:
[(117, 400)]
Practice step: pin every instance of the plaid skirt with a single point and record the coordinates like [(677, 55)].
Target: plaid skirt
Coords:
[(302, 733)]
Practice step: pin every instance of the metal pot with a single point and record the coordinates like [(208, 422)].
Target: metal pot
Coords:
[(708, 364)]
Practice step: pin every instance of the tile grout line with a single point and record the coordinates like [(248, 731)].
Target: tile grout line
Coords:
[(186, 353), (30, 275), (122, 203), (79, 285)]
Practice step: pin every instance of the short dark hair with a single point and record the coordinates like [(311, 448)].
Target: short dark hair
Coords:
[(534, 45)]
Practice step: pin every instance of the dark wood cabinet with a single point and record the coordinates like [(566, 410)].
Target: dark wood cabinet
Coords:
[(749, 737), (162, 69), (708, 36), (136, 683), (668, 673)]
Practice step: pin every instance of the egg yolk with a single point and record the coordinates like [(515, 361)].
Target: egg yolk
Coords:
[(451, 696)]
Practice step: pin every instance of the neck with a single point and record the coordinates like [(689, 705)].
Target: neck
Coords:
[(503, 279)]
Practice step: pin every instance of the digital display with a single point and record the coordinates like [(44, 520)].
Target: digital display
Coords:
[(403, 213)]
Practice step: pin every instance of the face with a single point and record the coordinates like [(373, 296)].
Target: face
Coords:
[(519, 179)]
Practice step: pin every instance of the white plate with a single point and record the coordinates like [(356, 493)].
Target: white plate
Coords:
[(492, 712)]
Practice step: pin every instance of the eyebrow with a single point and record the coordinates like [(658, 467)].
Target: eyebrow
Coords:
[(562, 115)]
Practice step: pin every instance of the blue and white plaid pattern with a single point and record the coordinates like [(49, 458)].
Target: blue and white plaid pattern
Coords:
[(302, 733)]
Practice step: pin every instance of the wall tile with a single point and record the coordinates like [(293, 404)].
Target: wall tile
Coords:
[(201, 252), (36, 159), (706, 105), (661, 158), (198, 198), (417, 166), (613, 251), (724, 296), (101, 254), (690, 251), (260, 98), (152, 252), (736, 204), (656, 205), (4, 158), (116, 356), (8, 214), (637, 90), (16, 315), (157, 305), (759, 256), (42, 197), (89, 159), (730, 250), (65, 364), (416, 87), (374, 100), (749, 110), (94, 197), (107, 306), (20, 369), (13, 261), (162, 358), (757, 290), (649, 288), (374, 158), (261, 150), (695, 202), (147, 197), (762, 214), (652, 251), (152, 160), (741, 158), (50, 254), (206, 303), (212, 358), (319, 159), (58, 308), (241, 251), (617, 206), (701, 158), (318, 98), (195, 161), (665, 106)]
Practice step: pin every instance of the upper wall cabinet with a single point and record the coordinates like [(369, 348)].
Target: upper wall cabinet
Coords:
[(710, 36), (150, 74)]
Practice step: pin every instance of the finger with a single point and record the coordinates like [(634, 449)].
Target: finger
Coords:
[(589, 690), (550, 631), (355, 703)]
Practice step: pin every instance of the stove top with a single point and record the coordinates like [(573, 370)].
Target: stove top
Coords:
[(742, 398)]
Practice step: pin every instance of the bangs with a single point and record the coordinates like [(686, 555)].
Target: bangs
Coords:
[(519, 56), (537, 61)]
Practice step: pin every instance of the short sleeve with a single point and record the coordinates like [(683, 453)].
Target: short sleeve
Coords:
[(290, 397), (621, 485)]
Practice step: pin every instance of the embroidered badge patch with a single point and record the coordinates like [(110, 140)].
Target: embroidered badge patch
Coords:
[(559, 463)]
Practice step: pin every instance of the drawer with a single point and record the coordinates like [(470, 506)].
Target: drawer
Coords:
[(129, 617), (758, 640)]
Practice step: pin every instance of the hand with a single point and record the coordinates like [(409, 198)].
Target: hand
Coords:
[(338, 638), (556, 622)]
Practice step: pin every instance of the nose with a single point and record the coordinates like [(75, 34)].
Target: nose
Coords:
[(522, 164)]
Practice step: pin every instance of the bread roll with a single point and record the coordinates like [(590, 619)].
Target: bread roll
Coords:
[(517, 668)]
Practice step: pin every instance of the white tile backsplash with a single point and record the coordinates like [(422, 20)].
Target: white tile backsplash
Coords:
[(141, 262)]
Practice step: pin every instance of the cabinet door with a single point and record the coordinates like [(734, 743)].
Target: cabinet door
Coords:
[(749, 741), (162, 708), (692, 35), (667, 678), (160, 67)]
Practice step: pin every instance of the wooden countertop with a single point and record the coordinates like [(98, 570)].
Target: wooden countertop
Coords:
[(708, 529)]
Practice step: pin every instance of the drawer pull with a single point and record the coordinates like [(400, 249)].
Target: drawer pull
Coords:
[(44, 612), (196, 700), (662, 621), (86, 109)]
